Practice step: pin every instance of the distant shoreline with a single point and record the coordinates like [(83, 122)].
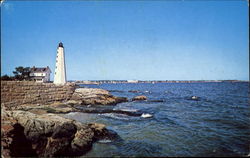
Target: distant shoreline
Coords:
[(153, 81)]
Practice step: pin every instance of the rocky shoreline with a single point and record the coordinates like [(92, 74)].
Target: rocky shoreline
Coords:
[(37, 130), (47, 135)]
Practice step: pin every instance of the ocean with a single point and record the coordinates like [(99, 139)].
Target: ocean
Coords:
[(216, 124)]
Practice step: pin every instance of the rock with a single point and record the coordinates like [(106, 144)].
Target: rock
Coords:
[(73, 102), (141, 97), (120, 99), (91, 91), (118, 91), (94, 96), (7, 128), (194, 98), (101, 132), (134, 91), (52, 108), (65, 130), (46, 135), (82, 141)]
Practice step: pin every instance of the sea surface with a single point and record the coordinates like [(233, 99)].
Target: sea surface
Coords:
[(216, 124)]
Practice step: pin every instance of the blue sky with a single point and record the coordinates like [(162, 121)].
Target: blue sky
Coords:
[(145, 40)]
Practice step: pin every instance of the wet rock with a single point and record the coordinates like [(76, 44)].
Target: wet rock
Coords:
[(116, 91), (43, 109), (82, 141), (141, 97), (195, 98), (65, 130), (94, 96), (46, 135), (101, 132), (133, 91)]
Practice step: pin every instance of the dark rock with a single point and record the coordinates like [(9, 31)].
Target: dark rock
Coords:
[(102, 133), (65, 130), (116, 91), (47, 135), (141, 97), (121, 99), (194, 98), (13, 140), (20, 146), (134, 91)]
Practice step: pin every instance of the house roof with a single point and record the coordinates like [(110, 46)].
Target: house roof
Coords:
[(39, 69)]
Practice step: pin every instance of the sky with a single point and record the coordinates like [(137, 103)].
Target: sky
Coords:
[(124, 40)]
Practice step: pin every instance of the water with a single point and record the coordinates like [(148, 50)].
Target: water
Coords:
[(216, 125)]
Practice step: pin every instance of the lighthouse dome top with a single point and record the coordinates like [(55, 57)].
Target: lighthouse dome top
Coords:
[(60, 44)]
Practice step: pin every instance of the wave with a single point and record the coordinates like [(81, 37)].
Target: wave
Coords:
[(104, 141), (145, 115), (115, 116), (128, 110), (71, 114)]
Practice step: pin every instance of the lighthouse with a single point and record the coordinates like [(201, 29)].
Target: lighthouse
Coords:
[(60, 71)]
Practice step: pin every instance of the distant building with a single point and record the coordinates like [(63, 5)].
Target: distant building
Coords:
[(41, 74), (60, 71), (132, 81)]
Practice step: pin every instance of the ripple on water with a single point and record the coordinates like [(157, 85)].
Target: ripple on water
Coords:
[(216, 125), (115, 116), (139, 148)]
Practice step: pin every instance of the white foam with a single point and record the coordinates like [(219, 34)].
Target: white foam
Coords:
[(104, 141), (71, 113), (129, 110), (146, 115), (115, 116), (194, 97)]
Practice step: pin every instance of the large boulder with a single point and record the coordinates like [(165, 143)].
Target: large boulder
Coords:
[(46, 135), (95, 96)]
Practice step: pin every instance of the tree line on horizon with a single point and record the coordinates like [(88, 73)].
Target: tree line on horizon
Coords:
[(21, 73)]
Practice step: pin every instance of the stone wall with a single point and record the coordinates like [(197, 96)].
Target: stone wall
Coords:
[(14, 93)]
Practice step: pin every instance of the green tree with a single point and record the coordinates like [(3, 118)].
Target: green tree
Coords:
[(6, 78), (22, 73)]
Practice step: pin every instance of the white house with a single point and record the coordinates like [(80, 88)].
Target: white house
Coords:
[(41, 74)]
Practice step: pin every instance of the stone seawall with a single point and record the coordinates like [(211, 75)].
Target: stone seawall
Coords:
[(14, 93)]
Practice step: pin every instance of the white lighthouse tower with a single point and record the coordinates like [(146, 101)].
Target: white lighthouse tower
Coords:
[(60, 71)]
